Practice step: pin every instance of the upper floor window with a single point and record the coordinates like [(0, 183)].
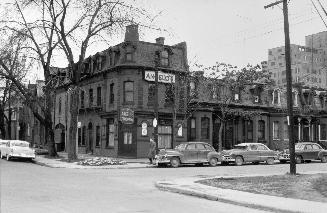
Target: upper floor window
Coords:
[(192, 89), (205, 128), (128, 91), (276, 99), (236, 96), (112, 96), (151, 93), (164, 58), (99, 96), (90, 97), (82, 98), (169, 94), (129, 53)]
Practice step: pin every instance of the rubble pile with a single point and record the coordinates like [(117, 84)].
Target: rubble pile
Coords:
[(101, 161)]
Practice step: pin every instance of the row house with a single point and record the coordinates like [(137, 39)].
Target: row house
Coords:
[(117, 90), (260, 114)]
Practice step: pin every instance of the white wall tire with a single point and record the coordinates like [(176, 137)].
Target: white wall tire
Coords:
[(239, 161)]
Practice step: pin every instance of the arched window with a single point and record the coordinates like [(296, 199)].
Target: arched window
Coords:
[(205, 128), (261, 130)]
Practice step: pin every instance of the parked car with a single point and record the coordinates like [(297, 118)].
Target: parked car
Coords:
[(249, 152), (17, 149), (188, 153), (305, 151)]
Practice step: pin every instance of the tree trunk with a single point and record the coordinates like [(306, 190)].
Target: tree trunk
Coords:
[(74, 100), (220, 136), (48, 125), (2, 125), (9, 123)]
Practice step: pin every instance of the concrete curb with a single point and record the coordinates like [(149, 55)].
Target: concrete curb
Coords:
[(188, 186)]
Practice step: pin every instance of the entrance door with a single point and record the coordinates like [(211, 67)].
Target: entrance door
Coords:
[(127, 140)]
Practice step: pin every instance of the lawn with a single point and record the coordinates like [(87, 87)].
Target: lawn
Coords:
[(307, 187)]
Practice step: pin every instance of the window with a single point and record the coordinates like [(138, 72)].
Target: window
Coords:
[(261, 130), (144, 127), (276, 97), (285, 130), (99, 96), (59, 105), (79, 132), (110, 131), (90, 97), (205, 128), (191, 146), (112, 96), (323, 132), (164, 58), (180, 130), (128, 91), (256, 99), (275, 130), (164, 137), (129, 53), (83, 136), (236, 97), (82, 99), (192, 89), (97, 136), (192, 129), (151, 94), (169, 94), (249, 128), (270, 52), (315, 146), (127, 138)]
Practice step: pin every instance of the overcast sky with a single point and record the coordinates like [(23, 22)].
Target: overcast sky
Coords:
[(233, 31)]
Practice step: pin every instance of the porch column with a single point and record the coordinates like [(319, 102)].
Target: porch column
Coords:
[(310, 133), (299, 130)]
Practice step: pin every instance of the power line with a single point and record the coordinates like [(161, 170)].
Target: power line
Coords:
[(318, 13)]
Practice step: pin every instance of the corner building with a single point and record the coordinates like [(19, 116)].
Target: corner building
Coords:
[(117, 91)]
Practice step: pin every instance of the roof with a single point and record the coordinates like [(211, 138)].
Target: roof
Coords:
[(247, 144)]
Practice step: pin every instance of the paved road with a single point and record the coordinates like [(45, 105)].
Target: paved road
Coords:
[(26, 187)]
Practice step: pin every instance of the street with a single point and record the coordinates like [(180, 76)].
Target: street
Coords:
[(27, 187)]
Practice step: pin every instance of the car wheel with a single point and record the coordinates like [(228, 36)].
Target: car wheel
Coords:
[(298, 159), (324, 159), (270, 161), (239, 161), (213, 161), (8, 158), (175, 162)]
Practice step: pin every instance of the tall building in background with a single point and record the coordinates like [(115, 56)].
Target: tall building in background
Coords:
[(308, 62)]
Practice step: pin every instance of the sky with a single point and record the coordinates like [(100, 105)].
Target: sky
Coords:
[(233, 31), (238, 32)]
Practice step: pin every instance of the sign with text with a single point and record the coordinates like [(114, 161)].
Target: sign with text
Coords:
[(126, 116), (162, 77)]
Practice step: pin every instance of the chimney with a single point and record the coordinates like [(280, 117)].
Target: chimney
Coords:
[(160, 40), (132, 33)]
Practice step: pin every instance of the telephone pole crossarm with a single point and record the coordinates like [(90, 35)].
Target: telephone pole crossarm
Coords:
[(273, 4)]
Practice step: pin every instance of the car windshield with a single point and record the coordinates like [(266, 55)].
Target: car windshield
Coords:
[(22, 144), (244, 147), (298, 146), (180, 146)]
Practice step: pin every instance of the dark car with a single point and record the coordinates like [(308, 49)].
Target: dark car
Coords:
[(305, 151), (249, 152), (188, 153)]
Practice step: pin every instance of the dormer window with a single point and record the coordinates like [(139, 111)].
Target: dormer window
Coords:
[(164, 58), (129, 53), (236, 97)]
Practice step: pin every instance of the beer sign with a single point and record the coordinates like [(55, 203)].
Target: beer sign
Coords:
[(126, 116), (162, 77)]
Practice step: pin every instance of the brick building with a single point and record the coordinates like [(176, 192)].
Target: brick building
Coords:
[(116, 108)]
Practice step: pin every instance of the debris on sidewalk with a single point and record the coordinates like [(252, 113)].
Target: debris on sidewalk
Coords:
[(101, 161)]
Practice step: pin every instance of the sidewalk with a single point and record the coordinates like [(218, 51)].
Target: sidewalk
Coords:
[(61, 162), (189, 186)]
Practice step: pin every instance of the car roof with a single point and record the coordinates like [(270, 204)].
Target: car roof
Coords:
[(247, 144), (195, 142), (19, 141), (304, 143)]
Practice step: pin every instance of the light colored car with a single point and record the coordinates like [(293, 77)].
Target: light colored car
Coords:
[(17, 149), (188, 153), (249, 152), (305, 151)]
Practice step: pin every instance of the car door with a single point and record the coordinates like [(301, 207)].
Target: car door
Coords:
[(315, 150), (264, 152), (191, 153), (202, 152), (308, 152), (252, 153)]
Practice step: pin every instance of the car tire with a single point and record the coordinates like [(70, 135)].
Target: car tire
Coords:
[(239, 161), (8, 158), (324, 159), (298, 159), (270, 161), (175, 162), (213, 161)]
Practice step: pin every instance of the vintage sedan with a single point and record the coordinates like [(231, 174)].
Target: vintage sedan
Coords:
[(305, 151), (188, 153), (249, 152), (17, 149)]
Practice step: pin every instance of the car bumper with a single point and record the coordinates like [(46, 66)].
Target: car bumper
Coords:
[(161, 160), (284, 157), (227, 159), (22, 156)]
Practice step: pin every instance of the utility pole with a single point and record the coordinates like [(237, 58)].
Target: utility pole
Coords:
[(289, 85), (156, 106)]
